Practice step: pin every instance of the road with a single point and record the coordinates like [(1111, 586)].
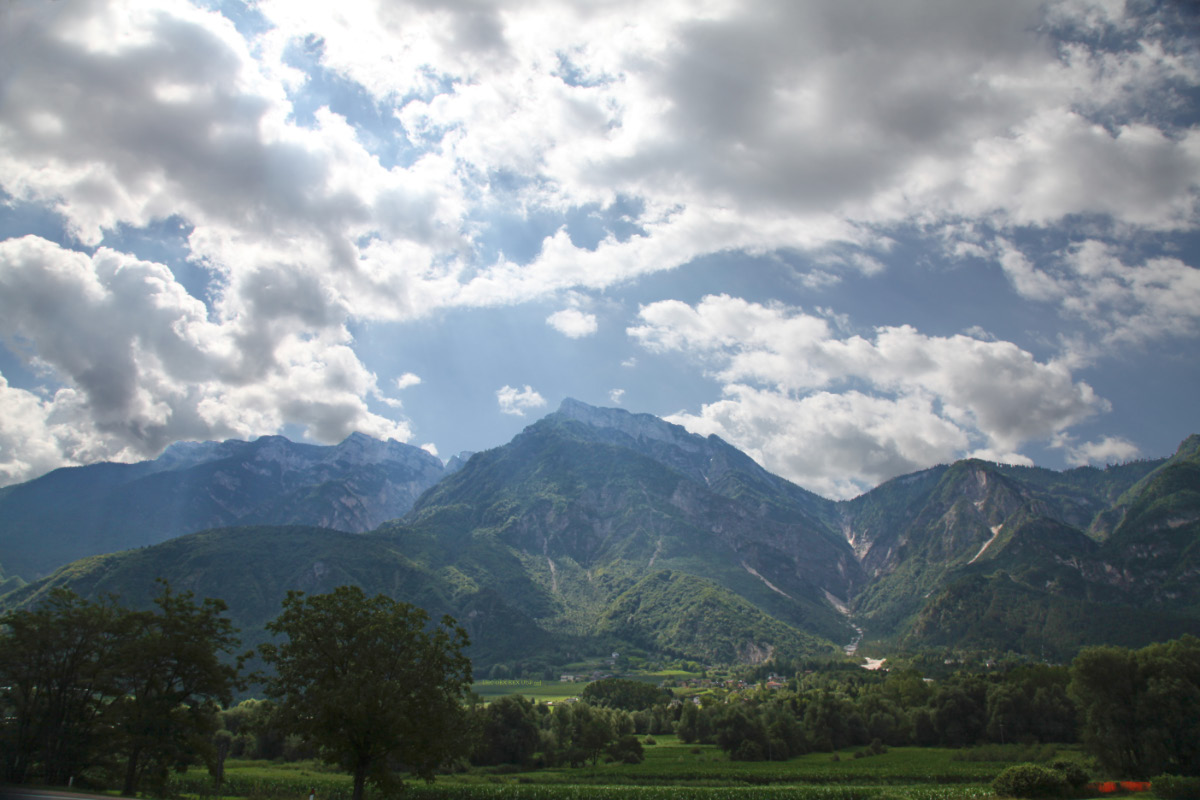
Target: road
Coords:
[(22, 793)]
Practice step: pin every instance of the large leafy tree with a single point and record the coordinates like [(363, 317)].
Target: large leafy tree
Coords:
[(172, 680), (508, 732), (57, 676), (86, 683), (1140, 710), (371, 682)]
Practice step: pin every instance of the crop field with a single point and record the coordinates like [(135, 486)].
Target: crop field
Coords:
[(533, 689), (672, 771)]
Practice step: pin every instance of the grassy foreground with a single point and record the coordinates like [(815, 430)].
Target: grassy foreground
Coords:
[(671, 771)]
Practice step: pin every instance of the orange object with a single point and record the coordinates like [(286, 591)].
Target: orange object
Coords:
[(1111, 787)]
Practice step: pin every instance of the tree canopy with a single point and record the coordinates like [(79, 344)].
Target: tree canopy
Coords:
[(171, 682), (371, 682), (1140, 709), (625, 694), (90, 685)]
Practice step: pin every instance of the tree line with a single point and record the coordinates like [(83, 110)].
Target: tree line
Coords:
[(92, 691), (1136, 711)]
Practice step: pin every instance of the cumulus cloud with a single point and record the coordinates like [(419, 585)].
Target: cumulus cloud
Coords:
[(615, 396), (837, 445), (572, 323), (517, 401), (142, 365), (1124, 303), (32, 441), (750, 127), (769, 124), (1108, 450), (794, 396)]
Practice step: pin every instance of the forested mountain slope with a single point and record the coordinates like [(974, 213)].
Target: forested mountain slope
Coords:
[(596, 529)]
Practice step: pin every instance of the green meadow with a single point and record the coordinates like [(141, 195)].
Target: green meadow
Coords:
[(535, 690), (671, 771)]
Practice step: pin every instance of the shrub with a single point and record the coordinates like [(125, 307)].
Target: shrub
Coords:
[(1175, 787), (1075, 775), (748, 750), (627, 749), (1029, 780)]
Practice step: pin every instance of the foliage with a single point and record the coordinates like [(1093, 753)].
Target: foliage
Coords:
[(627, 749), (1029, 780), (171, 679), (1074, 774), (507, 732), (57, 674), (1140, 710), (626, 694), (88, 683), (578, 732), (370, 684), (1176, 787)]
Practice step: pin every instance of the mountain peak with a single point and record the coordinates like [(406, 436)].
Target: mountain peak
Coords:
[(637, 426)]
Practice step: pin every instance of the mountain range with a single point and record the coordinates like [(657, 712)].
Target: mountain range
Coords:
[(596, 529)]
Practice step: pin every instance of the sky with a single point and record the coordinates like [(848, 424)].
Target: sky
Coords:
[(854, 240)]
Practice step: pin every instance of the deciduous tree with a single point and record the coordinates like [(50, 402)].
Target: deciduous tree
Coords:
[(371, 683), (172, 682), (57, 674), (1140, 710)]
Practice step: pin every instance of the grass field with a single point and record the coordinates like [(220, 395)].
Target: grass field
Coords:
[(534, 690), (672, 771), (538, 690)]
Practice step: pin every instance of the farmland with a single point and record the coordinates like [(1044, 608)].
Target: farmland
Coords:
[(671, 770)]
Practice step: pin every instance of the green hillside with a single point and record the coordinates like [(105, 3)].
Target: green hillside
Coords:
[(596, 529)]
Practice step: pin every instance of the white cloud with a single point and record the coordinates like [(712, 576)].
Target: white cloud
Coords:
[(1109, 450), (1124, 303), (142, 365), (406, 380), (769, 125), (794, 391), (517, 402), (615, 395), (572, 323), (750, 127), (31, 443), (837, 445)]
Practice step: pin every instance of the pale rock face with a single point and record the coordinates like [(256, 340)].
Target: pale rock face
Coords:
[(643, 427)]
